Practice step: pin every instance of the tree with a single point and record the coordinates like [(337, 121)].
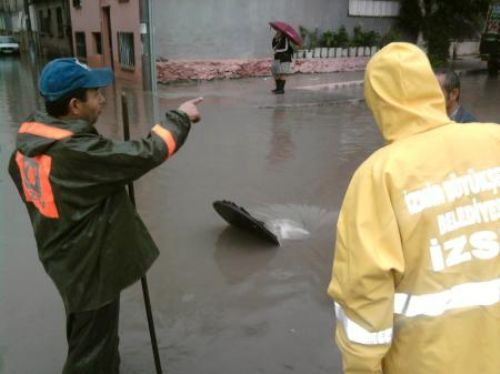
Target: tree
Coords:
[(410, 19), (440, 21)]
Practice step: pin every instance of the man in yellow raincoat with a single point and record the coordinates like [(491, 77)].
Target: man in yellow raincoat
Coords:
[(416, 273)]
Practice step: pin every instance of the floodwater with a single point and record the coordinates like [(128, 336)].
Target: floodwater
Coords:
[(223, 301)]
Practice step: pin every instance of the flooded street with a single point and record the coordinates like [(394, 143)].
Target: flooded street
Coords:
[(223, 300)]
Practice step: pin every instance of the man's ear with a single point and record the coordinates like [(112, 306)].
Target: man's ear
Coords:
[(74, 106)]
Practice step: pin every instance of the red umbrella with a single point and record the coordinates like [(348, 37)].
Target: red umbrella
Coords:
[(288, 30)]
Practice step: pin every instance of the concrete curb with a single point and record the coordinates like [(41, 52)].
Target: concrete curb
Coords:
[(314, 104), (337, 85), (330, 86)]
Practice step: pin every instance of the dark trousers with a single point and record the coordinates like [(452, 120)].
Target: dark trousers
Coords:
[(93, 341)]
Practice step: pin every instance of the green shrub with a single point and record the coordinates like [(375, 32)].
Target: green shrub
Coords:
[(303, 33), (309, 38), (326, 39), (371, 38), (341, 38), (393, 35), (357, 39), (313, 39)]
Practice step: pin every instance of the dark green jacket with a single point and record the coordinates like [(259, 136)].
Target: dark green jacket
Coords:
[(90, 239)]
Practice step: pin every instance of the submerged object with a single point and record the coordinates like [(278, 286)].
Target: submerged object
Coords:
[(239, 217)]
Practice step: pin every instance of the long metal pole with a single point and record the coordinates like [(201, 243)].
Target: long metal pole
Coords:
[(148, 57), (144, 282), (152, 51)]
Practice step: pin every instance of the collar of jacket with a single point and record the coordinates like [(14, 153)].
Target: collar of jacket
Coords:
[(75, 126), (35, 136)]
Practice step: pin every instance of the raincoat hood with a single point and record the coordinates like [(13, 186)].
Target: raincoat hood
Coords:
[(403, 93)]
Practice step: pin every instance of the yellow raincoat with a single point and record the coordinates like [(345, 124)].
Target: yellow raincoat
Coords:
[(416, 273)]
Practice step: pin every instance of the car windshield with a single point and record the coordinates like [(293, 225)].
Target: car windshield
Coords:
[(7, 39)]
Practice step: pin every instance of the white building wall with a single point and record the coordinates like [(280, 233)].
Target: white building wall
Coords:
[(213, 29)]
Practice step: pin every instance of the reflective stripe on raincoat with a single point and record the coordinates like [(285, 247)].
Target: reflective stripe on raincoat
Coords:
[(416, 273), (90, 238)]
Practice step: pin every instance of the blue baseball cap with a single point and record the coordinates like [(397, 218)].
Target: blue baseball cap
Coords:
[(63, 75)]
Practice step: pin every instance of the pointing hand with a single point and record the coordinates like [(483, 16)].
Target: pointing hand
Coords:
[(190, 108)]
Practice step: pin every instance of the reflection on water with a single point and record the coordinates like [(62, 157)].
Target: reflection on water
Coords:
[(18, 91), (239, 254), (282, 146)]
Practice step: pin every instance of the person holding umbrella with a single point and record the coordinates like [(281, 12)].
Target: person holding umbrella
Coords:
[(280, 67), (283, 51), (90, 239)]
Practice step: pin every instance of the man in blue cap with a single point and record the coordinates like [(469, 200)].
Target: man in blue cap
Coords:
[(90, 239)]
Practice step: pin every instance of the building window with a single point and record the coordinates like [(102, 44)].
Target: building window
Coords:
[(60, 23), (97, 42), (126, 47), (44, 22), (373, 8), (41, 22), (48, 23), (81, 46)]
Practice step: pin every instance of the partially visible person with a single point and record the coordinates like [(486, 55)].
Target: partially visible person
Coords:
[(450, 85), (90, 239), (281, 65), (416, 269)]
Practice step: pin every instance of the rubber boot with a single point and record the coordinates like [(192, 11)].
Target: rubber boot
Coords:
[(277, 86), (281, 87)]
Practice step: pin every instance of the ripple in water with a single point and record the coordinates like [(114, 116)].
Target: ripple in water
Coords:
[(294, 221)]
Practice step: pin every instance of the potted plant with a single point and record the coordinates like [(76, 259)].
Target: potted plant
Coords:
[(337, 50), (341, 41), (304, 34), (372, 39), (326, 42), (314, 43), (357, 42)]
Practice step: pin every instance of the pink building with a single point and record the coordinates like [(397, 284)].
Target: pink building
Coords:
[(107, 33)]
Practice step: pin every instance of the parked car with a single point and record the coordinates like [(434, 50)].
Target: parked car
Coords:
[(8, 45), (489, 47)]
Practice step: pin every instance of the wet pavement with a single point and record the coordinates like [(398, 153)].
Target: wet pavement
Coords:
[(223, 301)]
